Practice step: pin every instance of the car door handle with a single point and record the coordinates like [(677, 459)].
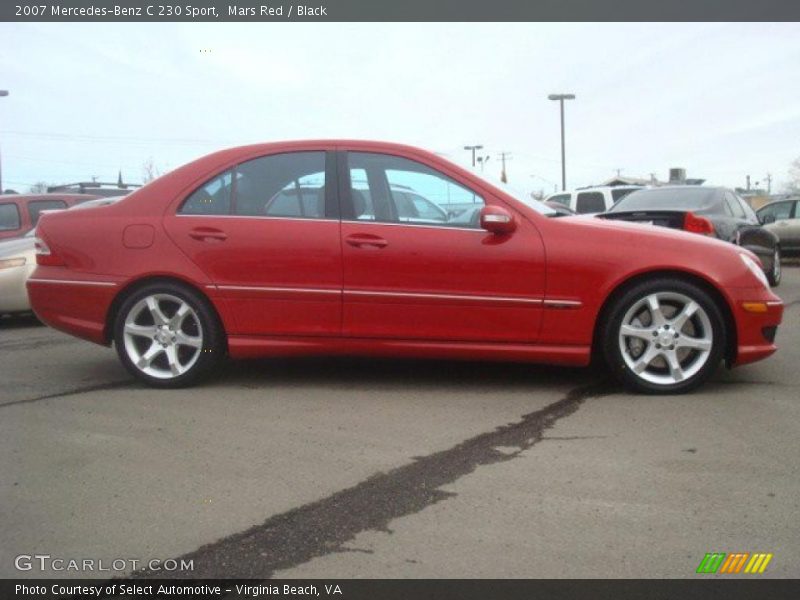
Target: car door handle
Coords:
[(359, 240), (204, 234)]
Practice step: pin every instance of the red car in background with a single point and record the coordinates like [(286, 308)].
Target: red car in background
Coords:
[(19, 213), (323, 247)]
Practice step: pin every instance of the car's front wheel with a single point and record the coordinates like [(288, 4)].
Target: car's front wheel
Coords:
[(664, 336), (167, 335)]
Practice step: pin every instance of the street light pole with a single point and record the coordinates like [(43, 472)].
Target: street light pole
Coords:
[(561, 98), (474, 149), (3, 93)]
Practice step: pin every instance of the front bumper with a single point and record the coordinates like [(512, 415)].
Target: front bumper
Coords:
[(757, 313)]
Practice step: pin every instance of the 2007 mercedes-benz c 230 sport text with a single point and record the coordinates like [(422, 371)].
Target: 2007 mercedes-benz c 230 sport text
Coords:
[(368, 248)]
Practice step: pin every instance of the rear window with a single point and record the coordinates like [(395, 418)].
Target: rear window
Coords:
[(35, 208), (9, 217), (618, 195), (590, 202), (666, 199)]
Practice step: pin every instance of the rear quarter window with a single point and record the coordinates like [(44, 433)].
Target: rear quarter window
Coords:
[(9, 217)]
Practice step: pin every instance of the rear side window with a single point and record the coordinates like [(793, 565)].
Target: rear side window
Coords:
[(281, 185), (734, 207), (35, 208), (9, 217), (590, 202)]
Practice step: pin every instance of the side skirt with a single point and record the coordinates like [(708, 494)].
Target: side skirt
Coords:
[(256, 347)]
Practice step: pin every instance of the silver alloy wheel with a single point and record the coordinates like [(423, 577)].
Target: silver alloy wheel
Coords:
[(163, 336), (776, 266), (665, 338)]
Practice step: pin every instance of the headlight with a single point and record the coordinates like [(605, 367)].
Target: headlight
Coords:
[(7, 263), (755, 269)]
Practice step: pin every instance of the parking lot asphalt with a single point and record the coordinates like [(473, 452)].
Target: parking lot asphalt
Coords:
[(336, 468)]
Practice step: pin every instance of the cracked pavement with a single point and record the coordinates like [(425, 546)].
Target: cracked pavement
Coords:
[(335, 468)]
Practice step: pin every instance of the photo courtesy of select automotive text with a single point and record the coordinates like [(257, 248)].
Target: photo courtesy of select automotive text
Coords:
[(400, 299)]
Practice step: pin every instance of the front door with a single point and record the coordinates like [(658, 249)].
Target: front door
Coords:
[(418, 266)]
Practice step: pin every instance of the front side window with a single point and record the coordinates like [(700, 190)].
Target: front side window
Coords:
[(9, 217), (391, 189), (35, 208), (780, 210), (280, 185), (590, 202)]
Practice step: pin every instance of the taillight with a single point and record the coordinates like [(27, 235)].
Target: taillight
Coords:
[(697, 224), (44, 256)]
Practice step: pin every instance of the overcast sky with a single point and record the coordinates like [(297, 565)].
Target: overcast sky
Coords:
[(721, 100)]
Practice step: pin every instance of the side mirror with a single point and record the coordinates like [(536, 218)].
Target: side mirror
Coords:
[(497, 220), (766, 219)]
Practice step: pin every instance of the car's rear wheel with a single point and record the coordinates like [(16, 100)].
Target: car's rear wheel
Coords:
[(774, 275), (167, 335), (664, 336)]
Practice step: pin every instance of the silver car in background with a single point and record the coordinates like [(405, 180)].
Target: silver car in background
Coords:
[(18, 260), (782, 218)]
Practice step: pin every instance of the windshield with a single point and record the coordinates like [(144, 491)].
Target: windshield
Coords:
[(690, 198), (518, 194)]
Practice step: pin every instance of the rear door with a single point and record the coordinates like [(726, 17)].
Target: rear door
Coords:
[(435, 274), (266, 232)]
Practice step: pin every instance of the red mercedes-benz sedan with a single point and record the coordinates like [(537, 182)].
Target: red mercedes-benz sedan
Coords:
[(350, 247)]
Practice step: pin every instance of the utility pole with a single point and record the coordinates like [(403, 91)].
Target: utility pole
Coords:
[(560, 98), (503, 157), (769, 184), (3, 94), (473, 149)]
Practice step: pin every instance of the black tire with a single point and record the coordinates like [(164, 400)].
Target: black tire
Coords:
[(612, 341), (776, 272), (210, 344)]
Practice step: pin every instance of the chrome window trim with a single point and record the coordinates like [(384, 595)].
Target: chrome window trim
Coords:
[(423, 225), (254, 288), (267, 217)]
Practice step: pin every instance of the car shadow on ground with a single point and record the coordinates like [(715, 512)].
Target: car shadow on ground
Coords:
[(409, 374), (19, 321)]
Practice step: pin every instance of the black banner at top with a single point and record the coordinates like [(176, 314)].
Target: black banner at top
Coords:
[(399, 10)]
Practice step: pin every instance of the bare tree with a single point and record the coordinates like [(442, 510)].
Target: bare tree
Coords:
[(149, 170), (40, 187), (793, 185)]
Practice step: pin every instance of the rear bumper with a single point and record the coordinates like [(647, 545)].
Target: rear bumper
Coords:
[(74, 305), (757, 312)]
